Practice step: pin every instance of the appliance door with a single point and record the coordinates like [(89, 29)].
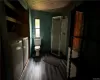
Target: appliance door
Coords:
[(17, 59), (25, 50)]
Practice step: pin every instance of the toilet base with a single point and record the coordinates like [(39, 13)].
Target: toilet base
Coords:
[(37, 53)]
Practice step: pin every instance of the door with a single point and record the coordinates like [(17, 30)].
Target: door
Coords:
[(55, 36), (63, 41), (59, 35)]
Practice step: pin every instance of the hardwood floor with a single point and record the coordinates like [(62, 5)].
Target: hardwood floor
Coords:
[(42, 70)]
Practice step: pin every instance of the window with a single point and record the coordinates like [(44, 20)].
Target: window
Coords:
[(37, 28)]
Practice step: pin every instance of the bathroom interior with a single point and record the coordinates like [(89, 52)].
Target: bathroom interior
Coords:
[(49, 40)]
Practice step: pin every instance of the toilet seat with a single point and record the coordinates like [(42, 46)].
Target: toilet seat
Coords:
[(37, 47)]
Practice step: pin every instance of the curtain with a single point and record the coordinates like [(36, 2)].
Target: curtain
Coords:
[(77, 30)]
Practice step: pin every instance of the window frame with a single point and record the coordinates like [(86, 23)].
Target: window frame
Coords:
[(37, 28)]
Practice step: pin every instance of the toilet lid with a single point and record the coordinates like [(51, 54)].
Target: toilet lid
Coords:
[(37, 47)]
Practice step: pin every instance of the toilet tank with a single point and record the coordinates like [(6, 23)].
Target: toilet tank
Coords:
[(37, 41)]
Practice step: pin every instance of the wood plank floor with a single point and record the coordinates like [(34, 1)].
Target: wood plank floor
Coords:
[(43, 71)]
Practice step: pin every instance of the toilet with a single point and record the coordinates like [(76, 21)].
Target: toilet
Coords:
[(37, 43)]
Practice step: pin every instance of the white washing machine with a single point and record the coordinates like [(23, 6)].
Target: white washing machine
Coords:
[(16, 55)]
